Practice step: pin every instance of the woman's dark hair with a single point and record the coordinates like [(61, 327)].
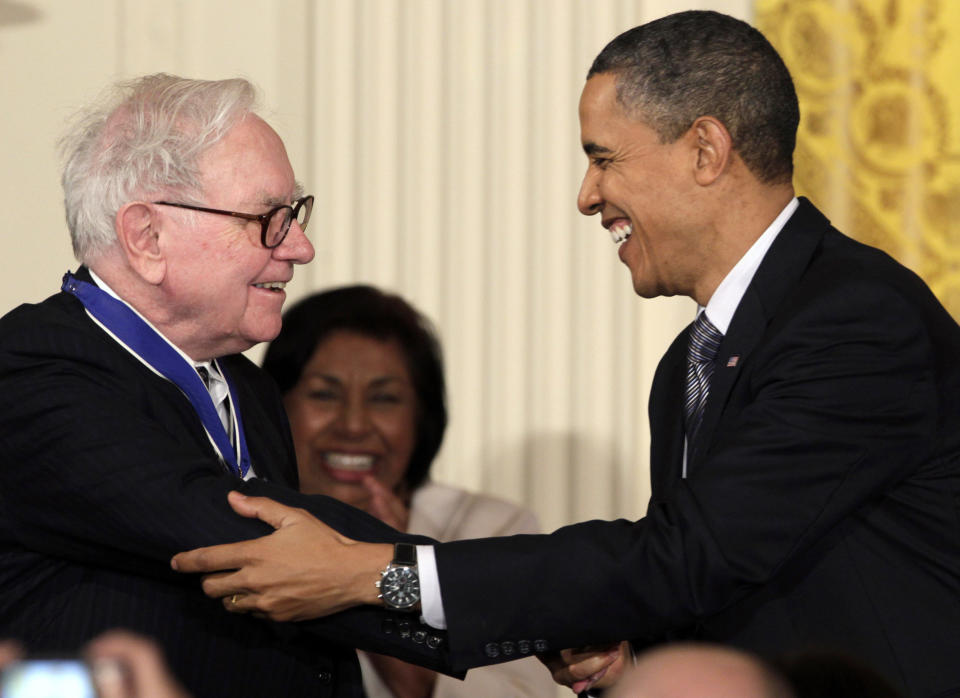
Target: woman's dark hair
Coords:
[(370, 312)]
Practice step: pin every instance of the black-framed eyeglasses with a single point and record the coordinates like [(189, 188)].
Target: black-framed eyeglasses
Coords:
[(274, 224)]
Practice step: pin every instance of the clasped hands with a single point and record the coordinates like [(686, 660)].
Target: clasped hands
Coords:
[(303, 570)]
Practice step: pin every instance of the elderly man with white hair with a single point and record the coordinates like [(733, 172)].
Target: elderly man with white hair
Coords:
[(127, 412)]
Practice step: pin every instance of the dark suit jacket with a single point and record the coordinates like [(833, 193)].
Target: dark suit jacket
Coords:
[(106, 472), (821, 504)]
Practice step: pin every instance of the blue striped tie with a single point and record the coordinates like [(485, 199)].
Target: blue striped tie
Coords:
[(701, 352)]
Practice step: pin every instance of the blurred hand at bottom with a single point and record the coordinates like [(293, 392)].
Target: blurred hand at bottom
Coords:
[(126, 665), (10, 652), (586, 668)]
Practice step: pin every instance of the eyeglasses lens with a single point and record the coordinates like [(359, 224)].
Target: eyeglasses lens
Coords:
[(279, 224), (303, 211)]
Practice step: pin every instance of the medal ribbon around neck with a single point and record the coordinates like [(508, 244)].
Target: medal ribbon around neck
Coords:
[(144, 341)]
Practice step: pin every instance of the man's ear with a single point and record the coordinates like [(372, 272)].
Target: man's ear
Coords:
[(714, 149), (138, 232)]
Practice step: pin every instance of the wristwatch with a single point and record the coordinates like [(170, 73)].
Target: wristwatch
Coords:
[(399, 584)]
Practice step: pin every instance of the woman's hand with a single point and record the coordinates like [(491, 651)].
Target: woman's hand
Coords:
[(385, 505)]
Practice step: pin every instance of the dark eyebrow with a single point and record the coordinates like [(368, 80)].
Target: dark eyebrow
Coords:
[(594, 149), (377, 382), (385, 380)]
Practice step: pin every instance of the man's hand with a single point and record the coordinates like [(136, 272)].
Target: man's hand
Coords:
[(302, 570), (584, 668)]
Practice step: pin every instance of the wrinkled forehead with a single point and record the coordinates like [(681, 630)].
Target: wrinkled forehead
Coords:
[(249, 165)]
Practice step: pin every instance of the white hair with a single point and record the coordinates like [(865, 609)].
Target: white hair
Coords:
[(143, 137)]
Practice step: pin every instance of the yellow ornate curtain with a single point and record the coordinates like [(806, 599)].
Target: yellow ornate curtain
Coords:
[(879, 142)]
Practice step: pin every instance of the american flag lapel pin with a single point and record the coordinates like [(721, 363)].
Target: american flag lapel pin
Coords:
[(733, 361)]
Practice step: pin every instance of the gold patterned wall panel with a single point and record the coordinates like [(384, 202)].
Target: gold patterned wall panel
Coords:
[(879, 141)]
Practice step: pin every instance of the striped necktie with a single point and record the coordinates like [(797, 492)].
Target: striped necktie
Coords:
[(701, 352), (219, 393)]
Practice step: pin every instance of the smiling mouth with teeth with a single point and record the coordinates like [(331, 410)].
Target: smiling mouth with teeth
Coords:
[(272, 285), (354, 462), (620, 232)]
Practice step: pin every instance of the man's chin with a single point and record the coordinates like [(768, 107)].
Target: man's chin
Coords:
[(264, 332), (645, 289)]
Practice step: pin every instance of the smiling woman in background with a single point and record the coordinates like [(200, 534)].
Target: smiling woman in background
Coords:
[(362, 380)]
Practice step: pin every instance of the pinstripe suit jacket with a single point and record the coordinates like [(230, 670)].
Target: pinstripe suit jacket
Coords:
[(106, 472)]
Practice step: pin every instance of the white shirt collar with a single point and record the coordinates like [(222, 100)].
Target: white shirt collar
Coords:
[(724, 301)]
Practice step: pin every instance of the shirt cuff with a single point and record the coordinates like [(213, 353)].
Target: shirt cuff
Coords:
[(431, 604)]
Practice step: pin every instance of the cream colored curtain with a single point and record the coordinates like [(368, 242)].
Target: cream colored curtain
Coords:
[(879, 142), (441, 140)]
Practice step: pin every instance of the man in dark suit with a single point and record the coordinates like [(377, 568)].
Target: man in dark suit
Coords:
[(114, 453), (805, 460)]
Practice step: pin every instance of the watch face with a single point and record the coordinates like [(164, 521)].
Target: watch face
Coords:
[(400, 587)]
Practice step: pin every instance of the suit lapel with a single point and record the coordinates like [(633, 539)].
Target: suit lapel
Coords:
[(666, 417), (781, 268)]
